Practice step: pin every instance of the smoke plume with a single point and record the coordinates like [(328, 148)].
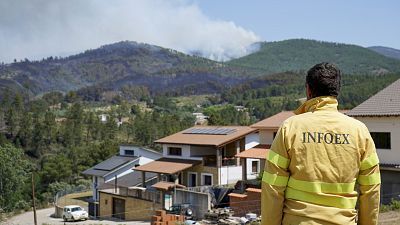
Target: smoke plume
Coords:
[(41, 28)]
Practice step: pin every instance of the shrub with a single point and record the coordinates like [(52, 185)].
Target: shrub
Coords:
[(394, 205)]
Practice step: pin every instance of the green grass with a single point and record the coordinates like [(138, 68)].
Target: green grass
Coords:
[(192, 100), (393, 206)]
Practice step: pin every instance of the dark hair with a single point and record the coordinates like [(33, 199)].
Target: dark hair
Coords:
[(323, 79)]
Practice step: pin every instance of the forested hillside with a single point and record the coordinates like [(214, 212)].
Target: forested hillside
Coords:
[(99, 73), (388, 52), (110, 67), (265, 96), (301, 54)]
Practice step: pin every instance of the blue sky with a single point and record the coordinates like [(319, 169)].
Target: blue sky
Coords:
[(361, 22)]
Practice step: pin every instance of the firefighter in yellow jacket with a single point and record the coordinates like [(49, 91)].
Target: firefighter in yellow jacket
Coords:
[(322, 163)]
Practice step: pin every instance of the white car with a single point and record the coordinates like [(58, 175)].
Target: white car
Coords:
[(74, 212)]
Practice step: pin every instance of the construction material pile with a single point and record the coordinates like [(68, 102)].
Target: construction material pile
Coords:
[(162, 218), (225, 217)]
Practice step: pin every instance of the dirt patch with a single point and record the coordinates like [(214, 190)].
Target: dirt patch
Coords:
[(389, 218)]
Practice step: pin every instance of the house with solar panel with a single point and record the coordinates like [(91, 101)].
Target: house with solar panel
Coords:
[(202, 156), (116, 173), (381, 114)]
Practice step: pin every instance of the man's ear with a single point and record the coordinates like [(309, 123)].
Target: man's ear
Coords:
[(308, 92)]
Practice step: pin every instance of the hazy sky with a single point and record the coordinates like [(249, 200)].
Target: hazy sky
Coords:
[(362, 22), (220, 29)]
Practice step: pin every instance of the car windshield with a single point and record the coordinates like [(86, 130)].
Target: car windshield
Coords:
[(76, 209)]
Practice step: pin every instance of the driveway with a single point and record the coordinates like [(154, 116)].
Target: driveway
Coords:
[(43, 218)]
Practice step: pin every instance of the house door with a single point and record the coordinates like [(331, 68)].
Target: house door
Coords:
[(118, 210), (192, 180)]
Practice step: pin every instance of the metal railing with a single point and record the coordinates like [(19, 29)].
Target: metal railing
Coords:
[(74, 190)]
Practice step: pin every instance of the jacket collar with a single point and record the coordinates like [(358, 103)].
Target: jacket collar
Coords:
[(318, 103)]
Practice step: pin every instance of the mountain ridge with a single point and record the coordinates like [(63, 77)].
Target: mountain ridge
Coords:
[(301, 54), (113, 66), (386, 51), (107, 64)]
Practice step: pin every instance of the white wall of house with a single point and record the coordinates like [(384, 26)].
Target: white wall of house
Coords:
[(144, 156), (140, 152), (230, 174), (386, 124), (96, 183), (252, 140), (185, 152), (266, 136), (249, 169)]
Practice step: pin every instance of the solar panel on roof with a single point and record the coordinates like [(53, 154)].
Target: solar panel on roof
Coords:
[(113, 163), (213, 131)]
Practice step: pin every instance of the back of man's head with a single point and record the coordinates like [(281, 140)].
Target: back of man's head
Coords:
[(323, 79)]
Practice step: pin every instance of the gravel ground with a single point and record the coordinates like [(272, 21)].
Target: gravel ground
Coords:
[(43, 218), (389, 218)]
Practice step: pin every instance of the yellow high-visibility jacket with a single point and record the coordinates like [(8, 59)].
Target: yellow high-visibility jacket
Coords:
[(320, 163)]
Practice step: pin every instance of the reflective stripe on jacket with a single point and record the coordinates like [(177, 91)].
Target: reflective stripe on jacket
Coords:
[(316, 162)]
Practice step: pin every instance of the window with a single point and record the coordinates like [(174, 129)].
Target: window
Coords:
[(254, 166), (206, 179), (381, 139), (192, 179), (129, 152), (174, 151), (76, 209)]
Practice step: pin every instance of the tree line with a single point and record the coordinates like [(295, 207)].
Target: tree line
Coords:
[(58, 142)]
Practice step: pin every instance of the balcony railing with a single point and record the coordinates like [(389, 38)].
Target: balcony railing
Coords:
[(229, 161), (211, 160)]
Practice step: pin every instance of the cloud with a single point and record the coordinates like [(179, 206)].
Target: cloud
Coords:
[(41, 28)]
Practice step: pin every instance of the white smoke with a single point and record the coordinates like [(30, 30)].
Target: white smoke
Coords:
[(41, 28)]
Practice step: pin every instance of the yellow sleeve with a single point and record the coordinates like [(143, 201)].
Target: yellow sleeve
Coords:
[(274, 181), (369, 181)]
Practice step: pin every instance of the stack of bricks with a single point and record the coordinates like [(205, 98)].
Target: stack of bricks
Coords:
[(250, 202), (162, 218)]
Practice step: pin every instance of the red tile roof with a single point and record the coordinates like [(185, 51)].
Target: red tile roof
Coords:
[(257, 152), (384, 103), (273, 122), (165, 186), (207, 139), (167, 165)]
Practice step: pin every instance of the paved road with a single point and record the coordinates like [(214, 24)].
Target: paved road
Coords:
[(43, 217)]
